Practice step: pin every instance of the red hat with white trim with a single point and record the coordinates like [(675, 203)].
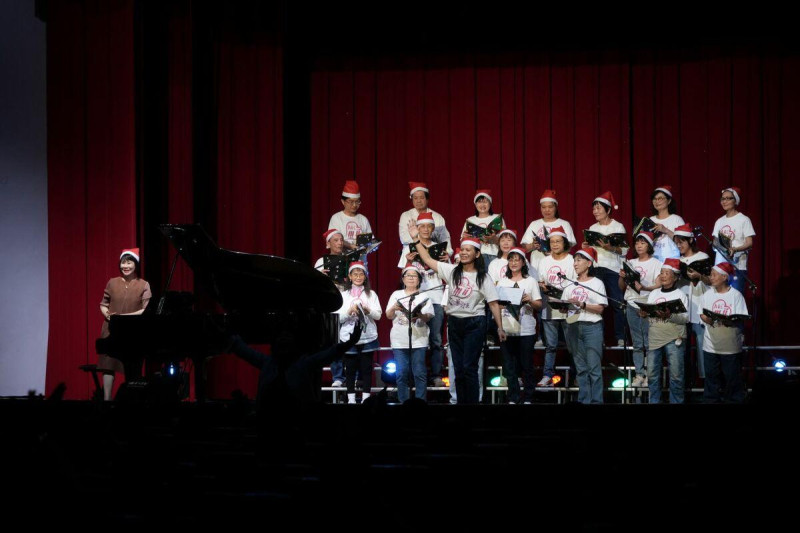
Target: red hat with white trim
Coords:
[(357, 264), (508, 231), (518, 250), (475, 243), (684, 230), (646, 235), (558, 231), (737, 193), (417, 186), (425, 218), (134, 252), (726, 269), (330, 233), (549, 195), (606, 198), (411, 266), (351, 189), (589, 253), (666, 189), (483, 192), (672, 264)]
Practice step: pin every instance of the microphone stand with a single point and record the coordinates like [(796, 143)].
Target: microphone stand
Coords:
[(752, 286), (624, 307)]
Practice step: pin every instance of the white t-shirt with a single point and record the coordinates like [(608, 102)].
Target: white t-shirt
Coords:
[(585, 295), (347, 322), (419, 329), (549, 268), (490, 249), (537, 228), (737, 228), (430, 278), (527, 317), (664, 246), (605, 259), (694, 292), (723, 339), (664, 331), (350, 227), (649, 271), (440, 233), (467, 300), (497, 269)]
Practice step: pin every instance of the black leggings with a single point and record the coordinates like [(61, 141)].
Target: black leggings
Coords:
[(362, 362)]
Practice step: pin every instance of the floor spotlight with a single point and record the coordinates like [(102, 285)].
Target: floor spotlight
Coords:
[(389, 372)]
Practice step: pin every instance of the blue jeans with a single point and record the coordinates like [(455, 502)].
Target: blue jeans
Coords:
[(551, 329), (723, 378), (417, 367), (640, 328), (467, 336), (611, 281), (585, 341), (518, 357), (488, 258), (435, 338), (337, 371), (699, 330), (674, 358)]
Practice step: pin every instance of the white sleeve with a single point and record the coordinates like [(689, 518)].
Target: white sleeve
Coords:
[(568, 231), (427, 309), (534, 290), (445, 271), (739, 304), (747, 228), (374, 306), (367, 227), (601, 288), (681, 318), (405, 237), (625, 249), (345, 306), (334, 223), (392, 300), (527, 238), (489, 290)]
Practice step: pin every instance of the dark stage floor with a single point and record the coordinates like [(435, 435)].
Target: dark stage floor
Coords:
[(416, 466)]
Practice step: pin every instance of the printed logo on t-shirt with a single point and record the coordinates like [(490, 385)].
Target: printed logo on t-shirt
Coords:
[(728, 232), (580, 294), (352, 230), (552, 275), (464, 289), (721, 307), (642, 272), (661, 300), (503, 271)]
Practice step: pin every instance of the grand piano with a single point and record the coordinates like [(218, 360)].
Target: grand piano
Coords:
[(260, 296)]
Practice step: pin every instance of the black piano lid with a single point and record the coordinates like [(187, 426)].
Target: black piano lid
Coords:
[(252, 283)]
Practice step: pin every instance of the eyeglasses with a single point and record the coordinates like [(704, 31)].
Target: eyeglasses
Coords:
[(409, 275), (353, 201), (724, 198)]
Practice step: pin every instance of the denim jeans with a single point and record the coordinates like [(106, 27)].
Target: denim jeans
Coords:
[(405, 368), (435, 338), (674, 356), (611, 281), (488, 258), (337, 371), (699, 330), (551, 329), (451, 373), (518, 357), (723, 378), (639, 335), (585, 341), (466, 336)]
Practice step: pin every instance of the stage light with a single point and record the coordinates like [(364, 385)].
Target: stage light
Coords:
[(498, 381), (779, 365), (389, 372), (555, 380), (171, 370), (620, 383), (446, 381)]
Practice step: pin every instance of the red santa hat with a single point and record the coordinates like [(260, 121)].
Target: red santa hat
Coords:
[(508, 231), (518, 250), (666, 189), (549, 195), (357, 264), (328, 235), (736, 191), (672, 264), (482, 192), (475, 243), (646, 235), (133, 252), (425, 218), (558, 231), (589, 253), (606, 198), (684, 230), (726, 269), (411, 266), (351, 189), (417, 186)]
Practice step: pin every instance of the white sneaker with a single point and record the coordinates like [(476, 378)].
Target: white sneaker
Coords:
[(638, 381), (337, 383), (546, 381), (351, 397), (438, 382), (539, 344), (620, 343)]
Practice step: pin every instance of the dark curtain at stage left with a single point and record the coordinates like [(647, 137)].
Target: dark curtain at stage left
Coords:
[(218, 159)]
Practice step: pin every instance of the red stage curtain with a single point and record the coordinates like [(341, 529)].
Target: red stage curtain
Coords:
[(581, 123), (91, 174)]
